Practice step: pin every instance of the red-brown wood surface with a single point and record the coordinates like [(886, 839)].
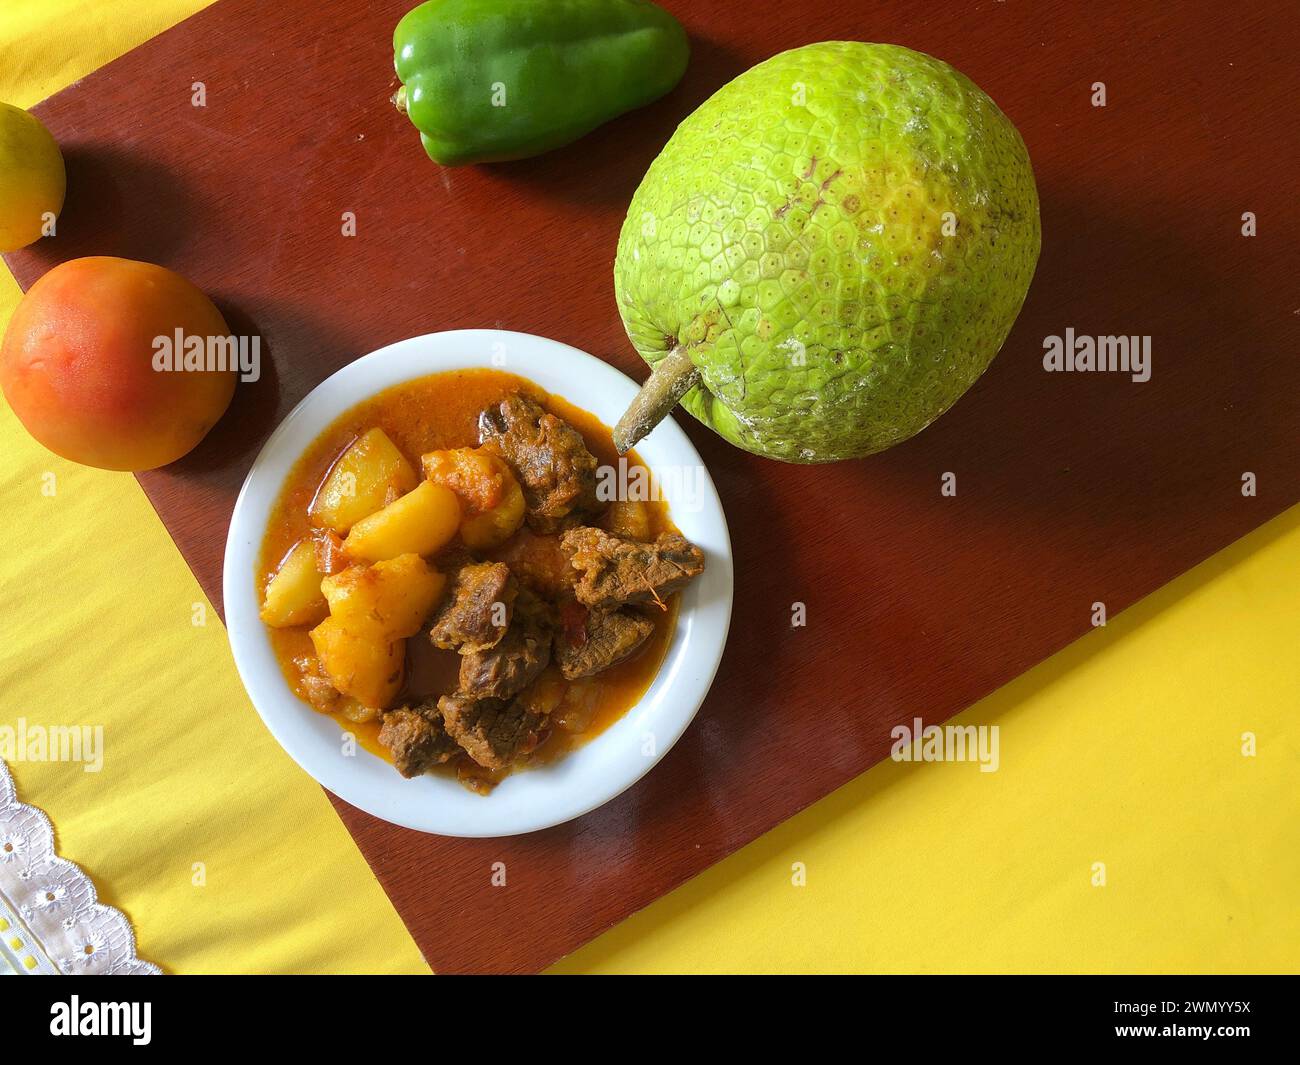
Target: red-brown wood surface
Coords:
[(1072, 488)]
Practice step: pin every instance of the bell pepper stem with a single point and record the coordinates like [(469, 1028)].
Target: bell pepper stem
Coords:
[(399, 98), (673, 376)]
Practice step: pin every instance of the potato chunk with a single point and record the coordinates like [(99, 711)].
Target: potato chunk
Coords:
[(495, 526), (373, 609), (386, 601), (369, 475), (360, 665), (630, 519), (420, 522), (492, 503), (293, 595)]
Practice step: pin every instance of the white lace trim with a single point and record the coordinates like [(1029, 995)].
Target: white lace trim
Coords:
[(50, 918)]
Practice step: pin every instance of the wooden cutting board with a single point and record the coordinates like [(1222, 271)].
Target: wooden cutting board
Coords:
[(1072, 489)]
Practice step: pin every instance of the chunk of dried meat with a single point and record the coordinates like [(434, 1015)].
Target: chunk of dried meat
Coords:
[(613, 571), (493, 732), (599, 640), (417, 738), (476, 613), (513, 663), (548, 455)]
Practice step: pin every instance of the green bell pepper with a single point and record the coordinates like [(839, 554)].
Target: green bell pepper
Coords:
[(486, 80)]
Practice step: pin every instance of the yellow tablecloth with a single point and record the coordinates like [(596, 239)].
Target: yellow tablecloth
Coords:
[(1125, 749)]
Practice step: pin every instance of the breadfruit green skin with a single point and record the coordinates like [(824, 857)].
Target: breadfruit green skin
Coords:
[(842, 238)]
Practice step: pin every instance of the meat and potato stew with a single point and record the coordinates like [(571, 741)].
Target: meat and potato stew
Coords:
[(443, 576)]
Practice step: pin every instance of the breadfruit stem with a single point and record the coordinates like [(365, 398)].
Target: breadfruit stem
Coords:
[(673, 376)]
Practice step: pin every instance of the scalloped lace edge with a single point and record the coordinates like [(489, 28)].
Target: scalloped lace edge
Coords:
[(64, 927)]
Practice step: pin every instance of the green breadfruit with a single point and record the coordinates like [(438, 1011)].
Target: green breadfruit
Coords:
[(827, 253)]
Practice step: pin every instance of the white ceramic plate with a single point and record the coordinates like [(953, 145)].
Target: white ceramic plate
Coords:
[(583, 779)]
